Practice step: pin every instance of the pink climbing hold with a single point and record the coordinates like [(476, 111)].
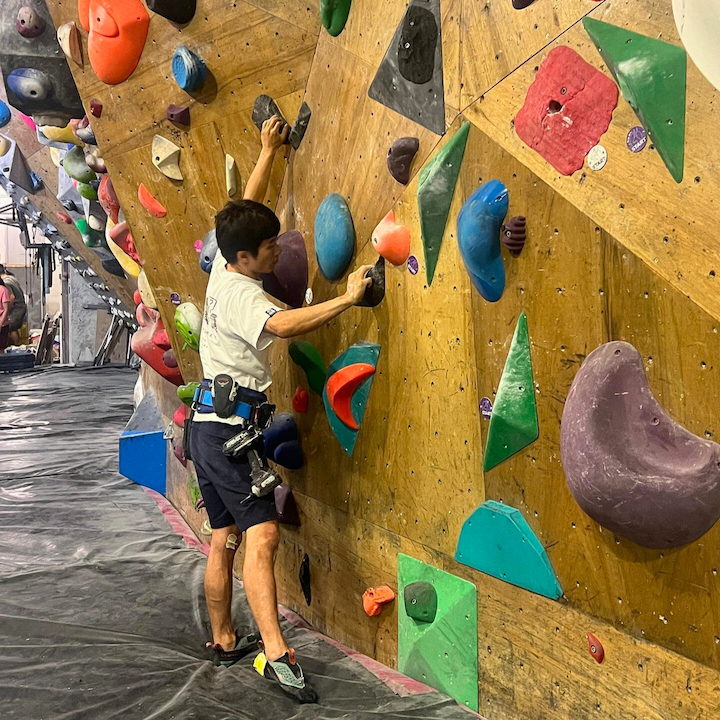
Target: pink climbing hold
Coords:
[(300, 401)]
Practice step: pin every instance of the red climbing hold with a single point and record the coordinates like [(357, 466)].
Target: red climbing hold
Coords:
[(121, 236), (64, 217), (300, 401), (151, 341), (595, 647), (137, 298), (108, 199), (340, 389), (150, 203), (375, 598), (96, 108)]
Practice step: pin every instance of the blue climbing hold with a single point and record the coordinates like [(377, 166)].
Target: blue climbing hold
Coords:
[(5, 115), (209, 251), (479, 225), (497, 541), (282, 445), (334, 236), (29, 84), (189, 69)]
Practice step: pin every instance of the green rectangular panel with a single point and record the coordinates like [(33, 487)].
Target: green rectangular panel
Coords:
[(442, 654)]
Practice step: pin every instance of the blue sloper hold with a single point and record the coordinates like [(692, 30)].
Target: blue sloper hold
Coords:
[(209, 251), (497, 541), (282, 444), (189, 69), (334, 236), (479, 226), (5, 115)]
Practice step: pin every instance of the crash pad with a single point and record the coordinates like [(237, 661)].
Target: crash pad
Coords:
[(651, 74), (334, 15), (497, 541), (513, 422), (334, 236), (628, 464), (478, 232), (436, 187), (392, 240), (306, 355), (289, 280), (410, 77), (442, 654), (337, 388)]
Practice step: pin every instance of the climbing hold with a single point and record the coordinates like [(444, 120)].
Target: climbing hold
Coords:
[(285, 506), (263, 109), (651, 74), (444, 653), (91, 238), (178, 115), (121, 236), (166, 157), (420, 601), (410, 77), (497, 541), (595, 647), (208, 251), (334, 15), (375, 294), (304, 354), (96, 223), (304, 576), (334, 236), (150, 203), (108, 199), (300, 400), (522, 4), (150, 342), (29, 23), (391, 241), (567, 109), (289, 280), (628, 464), (95, 162), (171, 361), (87, 191), (65, 135), (5, 146), (177, 11), (514, 235), (400, 156), (30, 84), (478, 231), (300, 126), (117, 30), (75, 166), (189, 69), (188, 321), (347, 391), (436, 188), (231, 175), (514, 422), (340, 389), (146, 292), (374, 599), (699, 27), (96, 108), (281, 431), (186, 393), (183, 411), (62, 217), (68, 36), (5, 116), (112, 266)]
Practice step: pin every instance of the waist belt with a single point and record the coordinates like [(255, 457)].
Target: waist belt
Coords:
[(248, 401)]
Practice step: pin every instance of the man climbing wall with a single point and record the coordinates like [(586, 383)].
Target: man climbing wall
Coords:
[(239, 324)]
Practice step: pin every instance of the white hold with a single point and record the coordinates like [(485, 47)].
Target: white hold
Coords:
[(698, 24), (166, 157), (231, 175)]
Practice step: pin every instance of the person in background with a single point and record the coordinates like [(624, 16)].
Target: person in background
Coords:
[(18, 309), (6, 299)]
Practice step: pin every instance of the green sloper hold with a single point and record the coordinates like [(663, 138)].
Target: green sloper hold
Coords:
[(91, 238), (186, 393), (442, 654), (75, 166), (436, 188), (360, 352), (651, 74), (306, 355), (334, 15), (87, 191), (513, 423), (497, 541)]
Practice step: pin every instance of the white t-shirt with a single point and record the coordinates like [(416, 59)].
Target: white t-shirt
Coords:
[(233, 338)]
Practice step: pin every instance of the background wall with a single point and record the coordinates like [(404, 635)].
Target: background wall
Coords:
[(624, 253)]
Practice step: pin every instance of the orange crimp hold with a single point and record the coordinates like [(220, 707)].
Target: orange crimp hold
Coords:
[(375, 598), (341, 386), (151, 204), (391, 240)]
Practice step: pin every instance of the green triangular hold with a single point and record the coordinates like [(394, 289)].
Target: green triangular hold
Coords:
[(651, 74), (436, 188), (513, 423), (307, 356)]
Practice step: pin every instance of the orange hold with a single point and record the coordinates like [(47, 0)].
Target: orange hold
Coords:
[(375, 598), (150, 203), (341, 387), (391, 240), (595, 648), (137, 298), (117, 30)]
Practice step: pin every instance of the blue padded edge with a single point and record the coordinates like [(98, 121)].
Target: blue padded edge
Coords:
[(143, 459)]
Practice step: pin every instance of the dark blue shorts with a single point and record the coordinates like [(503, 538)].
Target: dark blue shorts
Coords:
[(225, 483)]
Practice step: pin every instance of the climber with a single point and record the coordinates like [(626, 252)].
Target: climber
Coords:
[(18, 309), (239, 324)]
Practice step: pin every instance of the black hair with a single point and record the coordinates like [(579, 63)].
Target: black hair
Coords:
[(244, 225), (2, 283)]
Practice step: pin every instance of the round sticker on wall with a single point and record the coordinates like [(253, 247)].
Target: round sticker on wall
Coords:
[(309, 297), (636, 139), (597, 157), (413, 266)]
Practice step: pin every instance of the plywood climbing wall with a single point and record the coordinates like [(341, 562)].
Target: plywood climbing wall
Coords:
[(621, 253)]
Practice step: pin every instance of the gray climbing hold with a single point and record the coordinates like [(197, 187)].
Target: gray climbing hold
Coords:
[(400, 156), (177, 11), (375, 294), (300, 126), (265, 107), (421, 601)]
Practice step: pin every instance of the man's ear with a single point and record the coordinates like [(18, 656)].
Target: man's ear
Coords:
[(242, 257)]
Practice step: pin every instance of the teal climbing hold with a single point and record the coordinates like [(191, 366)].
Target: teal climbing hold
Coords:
[(334, 236), (514, 422), (652, 76), (334, 15), (361, 352), (306, 355), (436, 188), (497, 541)]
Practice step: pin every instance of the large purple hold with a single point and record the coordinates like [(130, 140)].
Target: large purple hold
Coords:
[(288, 282), (628, 464)]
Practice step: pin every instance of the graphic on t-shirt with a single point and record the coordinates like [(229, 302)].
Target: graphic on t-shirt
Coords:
[(210, 316)]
